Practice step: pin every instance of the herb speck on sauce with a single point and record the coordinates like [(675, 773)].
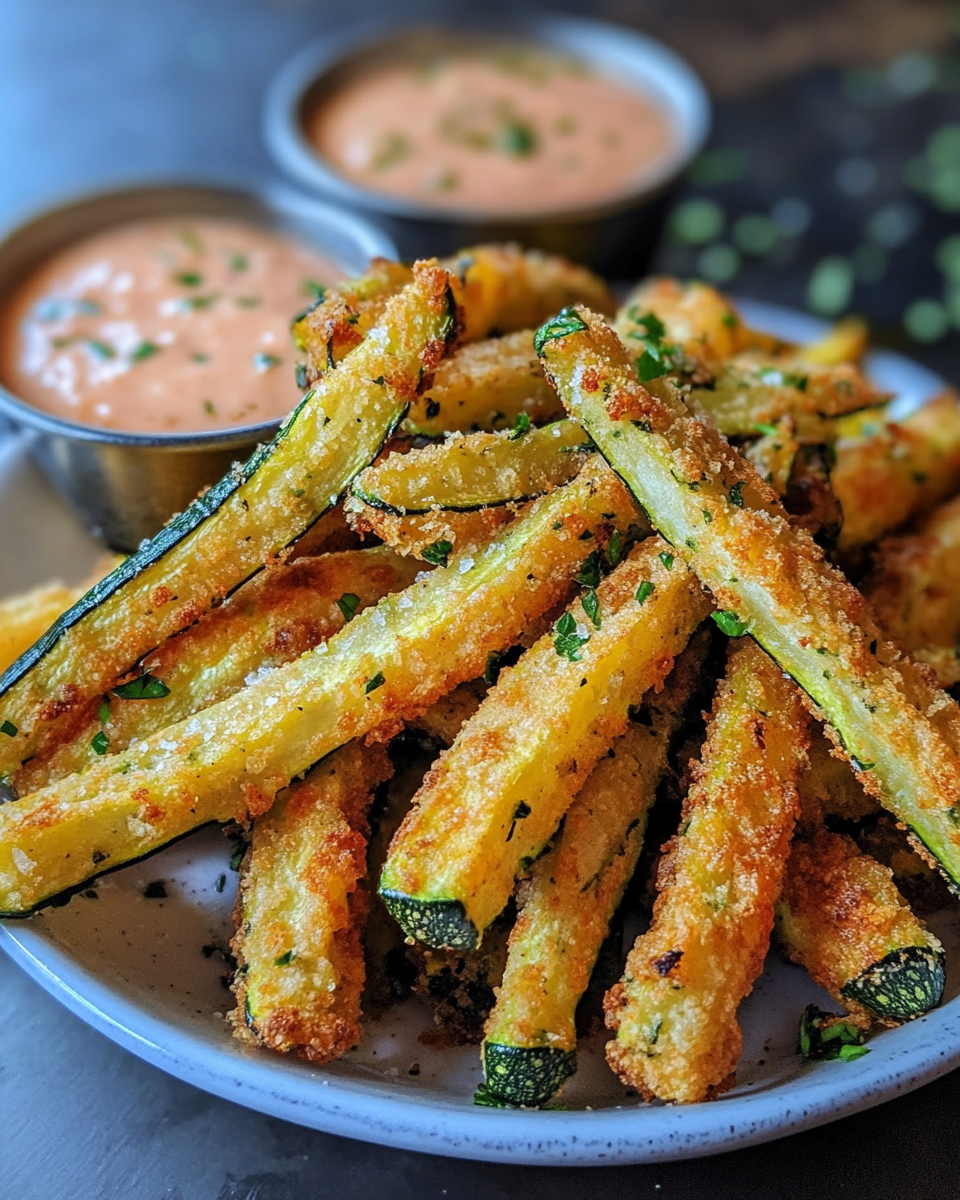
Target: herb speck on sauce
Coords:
[(504, 128), (140, 342)]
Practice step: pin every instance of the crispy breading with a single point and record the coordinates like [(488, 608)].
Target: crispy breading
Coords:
[(300, 910), (389, 664), (675, 1010), (495, 798), (287, 609), (840, 915)]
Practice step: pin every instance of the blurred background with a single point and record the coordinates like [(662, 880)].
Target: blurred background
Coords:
[(831, 180)]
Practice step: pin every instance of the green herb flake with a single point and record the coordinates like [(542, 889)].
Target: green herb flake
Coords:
[(566, 322), (736, 494), (861, 766), (144, 687), (730, 320), (348, 605), (103, 713), (768, 430), (824, 1037), (666, 559), (730, 623), (155, 891), (591, 606), (374, 682), (209, 408), (520, 426), (238, 262), (188, 278), (284, 960), (516, 138), (615, 548), (566, 640), (589, 573), (100, 743), (247, 301), (645, 591), (264, 362), (144, 350), (437, 553), (238, 851), (9, 729), (100, 349), (394, 148), (650, 365), (200, 358)]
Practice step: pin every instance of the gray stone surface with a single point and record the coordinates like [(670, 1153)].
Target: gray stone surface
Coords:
[(103, 90)]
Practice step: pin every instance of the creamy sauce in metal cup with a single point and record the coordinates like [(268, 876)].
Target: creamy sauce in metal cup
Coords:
[(505, 129), (163, 326)]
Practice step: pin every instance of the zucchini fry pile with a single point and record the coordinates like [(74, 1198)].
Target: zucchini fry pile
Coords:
[(439, 651)]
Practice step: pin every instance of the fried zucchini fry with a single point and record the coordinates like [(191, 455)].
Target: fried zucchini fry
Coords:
[(300, 910), (530, 1042), (888, 472), (23, 618), (486, 386), (915, 589), (232, 530), (898, 731), (840, 916), (388, 665), (844, 342), (492, 802), (675, 1010), (280, 614)]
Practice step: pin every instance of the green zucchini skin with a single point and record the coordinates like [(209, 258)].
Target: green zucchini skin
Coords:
[(526, 1075), (905, 984), (433, 922)]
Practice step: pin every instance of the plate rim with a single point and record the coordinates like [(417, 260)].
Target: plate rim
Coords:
[(374, 1111)]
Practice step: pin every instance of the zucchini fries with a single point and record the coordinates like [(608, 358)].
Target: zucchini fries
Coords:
[(768, 578), (674, 1012)]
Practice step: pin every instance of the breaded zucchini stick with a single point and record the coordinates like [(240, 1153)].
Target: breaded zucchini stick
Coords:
[(278, 615), (898, 731), (915, 589), (530, 1042), (486, 385), (24, 617), (300, 910), (388, 665), (233, 529), (888, 472), (491, 803), (675, 1010), (840, 916)]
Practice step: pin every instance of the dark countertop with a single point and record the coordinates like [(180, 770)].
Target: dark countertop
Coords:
[(104, 91)]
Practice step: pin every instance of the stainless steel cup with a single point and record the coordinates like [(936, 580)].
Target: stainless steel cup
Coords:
[(125, 486), (616, 239)]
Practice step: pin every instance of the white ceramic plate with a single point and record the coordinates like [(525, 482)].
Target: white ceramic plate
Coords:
[(136, 970)]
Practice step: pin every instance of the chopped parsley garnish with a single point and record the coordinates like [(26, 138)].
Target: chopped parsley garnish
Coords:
[(645, 591), (238, 851), (736, 493), (615, 548), (246, 301), (591, 606), (522, 811), (238, 262), (144, 350), (730, 623), (348, 605), (567, 321), (707, 515), (188, 278), (283, 960), (374, 682), (155, 890), (437, 553), (209, 409), (768, 430), (100, 349), (301, 376), (567, 640), (516, 138), (797, 381), (394, 149), (666, 559), (100, 742), (861, 766), (144, 687), (9, 729), (823, 1037), (730, 320), (589, 573), (657, 357), (200, 302), (263, 362), (520, 426), (199, 358), (103, 713)]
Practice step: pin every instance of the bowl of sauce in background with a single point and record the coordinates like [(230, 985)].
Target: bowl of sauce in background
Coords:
[(145, 337), (558, 132)]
